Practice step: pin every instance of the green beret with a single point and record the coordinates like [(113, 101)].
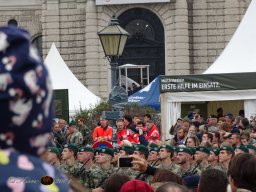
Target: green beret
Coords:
[(192, 149), (243, 148), (203, 149), (168, 147), (86, 149), (227, 148), (141, 148), (216, 151), (116, 150), (127, 149), (71, 146), (185, 150), (54, 150), (153, 145), (252, 147), (72, 123), (105, 150), (156, 149)]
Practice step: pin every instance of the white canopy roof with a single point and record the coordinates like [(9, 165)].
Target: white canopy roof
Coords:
[(63, 78), (240, 53)]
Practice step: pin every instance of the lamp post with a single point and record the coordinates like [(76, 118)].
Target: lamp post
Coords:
[(113, 39)]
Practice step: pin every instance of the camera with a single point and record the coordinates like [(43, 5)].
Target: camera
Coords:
[(125, 162)]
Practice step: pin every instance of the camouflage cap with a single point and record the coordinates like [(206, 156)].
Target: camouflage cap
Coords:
[(203, 149), (185, 150), (243, 148), (54, 150), (168, 147), (141, 148), (252, 147), (105, 150), (216, 151), (71, 146), (86, 149), (227, 148), (127, 149)]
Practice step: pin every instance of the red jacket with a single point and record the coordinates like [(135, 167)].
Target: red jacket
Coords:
[(153, 134), (100, 133)]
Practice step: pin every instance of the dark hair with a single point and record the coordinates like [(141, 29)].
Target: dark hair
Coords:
[(128, 118), (242, 170), (210, 136), (115, 182), (245, 122), (119, 120), (165, 175), (213, 180), (147, 115), (217, 135), (164, 187), (140, 123)]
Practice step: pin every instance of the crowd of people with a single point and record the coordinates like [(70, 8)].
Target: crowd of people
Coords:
[(38, 154), (199, 151)]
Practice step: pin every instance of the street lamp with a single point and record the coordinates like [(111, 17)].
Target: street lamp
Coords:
[(113, 39)]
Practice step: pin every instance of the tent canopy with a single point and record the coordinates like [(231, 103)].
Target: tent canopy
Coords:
[(148, 96), (63, 78)]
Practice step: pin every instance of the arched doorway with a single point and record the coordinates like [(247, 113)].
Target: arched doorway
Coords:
[(145, 46)]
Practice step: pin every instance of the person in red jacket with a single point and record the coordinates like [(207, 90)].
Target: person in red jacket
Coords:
[(121, 132), (102, 132), (152, 132)]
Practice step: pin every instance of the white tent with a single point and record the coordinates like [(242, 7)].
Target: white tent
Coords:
[(239, 56), (62, 78)]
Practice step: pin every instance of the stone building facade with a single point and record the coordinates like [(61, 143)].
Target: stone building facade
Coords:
[(194, 32)]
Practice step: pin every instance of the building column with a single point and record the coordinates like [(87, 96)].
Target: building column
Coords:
[(182, 65), (92, 48)]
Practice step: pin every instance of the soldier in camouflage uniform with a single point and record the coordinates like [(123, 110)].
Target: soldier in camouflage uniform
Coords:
[(225, 156), (125, 151), (86, 132), (70, 165), (165, 154), (183, 159), (103, 170), (201, 156), (85, 158), (53, 156), (153, 158), (75, 136), (213, 159)]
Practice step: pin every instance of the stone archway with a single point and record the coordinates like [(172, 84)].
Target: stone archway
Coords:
[(145, 45)]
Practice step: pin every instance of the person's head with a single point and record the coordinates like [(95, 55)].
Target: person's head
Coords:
[(235, 139), (153, 154), (214, 155), (242, 172), (62, 123), (244, 122), (149, 124), (192, 130), (84, 154), (26, 108), (192, 141), (165, 175), (136, 185), (172, 187), (220, 111), (120, 124), (181, 133), (126, 150), (183, 156), (53, 154), (202, 153), (115, 182), (80, 122), (226, 154), (140, 125), (166, 152), (56, 127), (103, 122), (241, 149), (185, 123), (103, 155), (213, 180), (245, 137), (141, 151), (216, 137), (71, 128), (228, 117), (212, 120), (146, 117), (207, 137), (127, 119), (69, 151)]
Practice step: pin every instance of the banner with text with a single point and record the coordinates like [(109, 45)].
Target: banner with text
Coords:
[(208, 82), (114, 2)]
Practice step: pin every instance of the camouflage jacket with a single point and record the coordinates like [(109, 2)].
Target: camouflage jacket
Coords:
[(98, 176), (172, 167), (191, 171), (76, 138), (84, 176), (86, 133), (71, 170), (219, 167)]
